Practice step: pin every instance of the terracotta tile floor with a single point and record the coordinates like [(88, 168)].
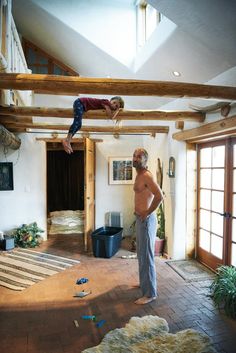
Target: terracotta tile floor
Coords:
[(41, 318)]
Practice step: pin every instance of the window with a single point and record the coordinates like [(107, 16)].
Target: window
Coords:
[(3, 28), (147, 20), (42, 63)]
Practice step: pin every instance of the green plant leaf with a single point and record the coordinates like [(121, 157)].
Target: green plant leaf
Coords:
[(223, 289), (27, 235)]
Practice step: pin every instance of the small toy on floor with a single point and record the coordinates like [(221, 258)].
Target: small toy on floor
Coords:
[(89, 317), (82, 280), (82, 293), (100, 323)]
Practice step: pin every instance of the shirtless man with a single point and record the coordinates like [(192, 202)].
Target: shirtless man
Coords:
[(148, 196)]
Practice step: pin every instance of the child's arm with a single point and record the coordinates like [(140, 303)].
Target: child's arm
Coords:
[(115, 113), (108, 111)]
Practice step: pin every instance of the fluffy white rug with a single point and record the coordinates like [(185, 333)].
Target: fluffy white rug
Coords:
[(149, 334)]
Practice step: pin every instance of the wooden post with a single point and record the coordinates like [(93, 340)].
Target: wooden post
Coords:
[(179, 125)]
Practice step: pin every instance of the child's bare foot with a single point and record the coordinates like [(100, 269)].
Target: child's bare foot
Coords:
[(144, 300), (67, 146)]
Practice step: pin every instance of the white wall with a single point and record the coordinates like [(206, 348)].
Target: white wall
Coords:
[(116, 22), (163, 147), (176, 199), (119, 198), (27, 202)]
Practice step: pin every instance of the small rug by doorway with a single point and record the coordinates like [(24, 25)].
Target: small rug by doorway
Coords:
[(191, 270), (21, 268)]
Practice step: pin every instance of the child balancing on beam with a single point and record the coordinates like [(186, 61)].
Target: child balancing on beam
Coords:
[(84, 104)]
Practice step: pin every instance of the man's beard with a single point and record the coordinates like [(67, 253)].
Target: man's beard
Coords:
[(138, 165)]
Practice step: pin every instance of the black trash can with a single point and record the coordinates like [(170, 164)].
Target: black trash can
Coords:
[(106, 241), (7, 243)]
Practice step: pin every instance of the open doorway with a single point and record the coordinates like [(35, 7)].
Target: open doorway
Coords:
[(65, 190)]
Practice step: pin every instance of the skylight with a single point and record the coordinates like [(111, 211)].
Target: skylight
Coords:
[(147, 20)]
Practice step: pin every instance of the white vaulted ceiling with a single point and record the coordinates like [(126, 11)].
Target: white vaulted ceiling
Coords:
[(98, 39)]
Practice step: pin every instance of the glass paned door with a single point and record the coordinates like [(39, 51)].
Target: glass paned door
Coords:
[(211, 190), (216, 241)]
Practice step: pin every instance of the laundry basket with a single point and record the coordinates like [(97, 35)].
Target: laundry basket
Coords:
[(106, 241)]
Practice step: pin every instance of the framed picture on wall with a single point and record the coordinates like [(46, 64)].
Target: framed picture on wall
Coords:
[(121, 170), (6, 176)]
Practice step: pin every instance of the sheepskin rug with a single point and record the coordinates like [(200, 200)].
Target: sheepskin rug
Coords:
[(150, 334)]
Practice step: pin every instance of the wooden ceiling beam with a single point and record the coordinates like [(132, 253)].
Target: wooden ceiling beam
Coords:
[(15, 119), (215, 129), (124, 87), (216, 136), (58, 140), (100, 114), (90, 129)]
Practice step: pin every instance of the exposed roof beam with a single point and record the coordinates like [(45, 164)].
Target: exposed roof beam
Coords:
[(15, 119), (216, 136), (100, 114), (76, 85), (90, 129), (58, 140), (215, 129)]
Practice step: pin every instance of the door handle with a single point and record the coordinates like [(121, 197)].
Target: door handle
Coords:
[(226, 214)]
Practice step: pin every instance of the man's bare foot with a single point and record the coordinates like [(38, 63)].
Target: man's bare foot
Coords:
[(67, 146), (144, 300)]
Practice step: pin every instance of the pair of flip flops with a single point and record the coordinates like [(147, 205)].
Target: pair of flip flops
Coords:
[(83, 293)]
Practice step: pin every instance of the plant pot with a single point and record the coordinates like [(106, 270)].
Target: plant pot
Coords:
[(159, 246)]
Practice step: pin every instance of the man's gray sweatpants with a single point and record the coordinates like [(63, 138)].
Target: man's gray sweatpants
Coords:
[(145, 238)]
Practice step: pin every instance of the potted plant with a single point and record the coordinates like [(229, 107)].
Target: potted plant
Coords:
[(160, 239), (133, 237), (27, 235), (223, 289)]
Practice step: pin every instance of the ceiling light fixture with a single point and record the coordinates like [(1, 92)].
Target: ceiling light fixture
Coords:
[(176, 73)]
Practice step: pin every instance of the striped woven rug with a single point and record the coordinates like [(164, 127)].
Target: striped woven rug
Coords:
[(21, 268)]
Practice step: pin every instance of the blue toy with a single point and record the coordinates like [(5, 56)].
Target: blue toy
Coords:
[(100, 323), (82, 280)]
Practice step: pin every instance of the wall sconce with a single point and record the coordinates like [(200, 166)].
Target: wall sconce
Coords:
[(171, 171)]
